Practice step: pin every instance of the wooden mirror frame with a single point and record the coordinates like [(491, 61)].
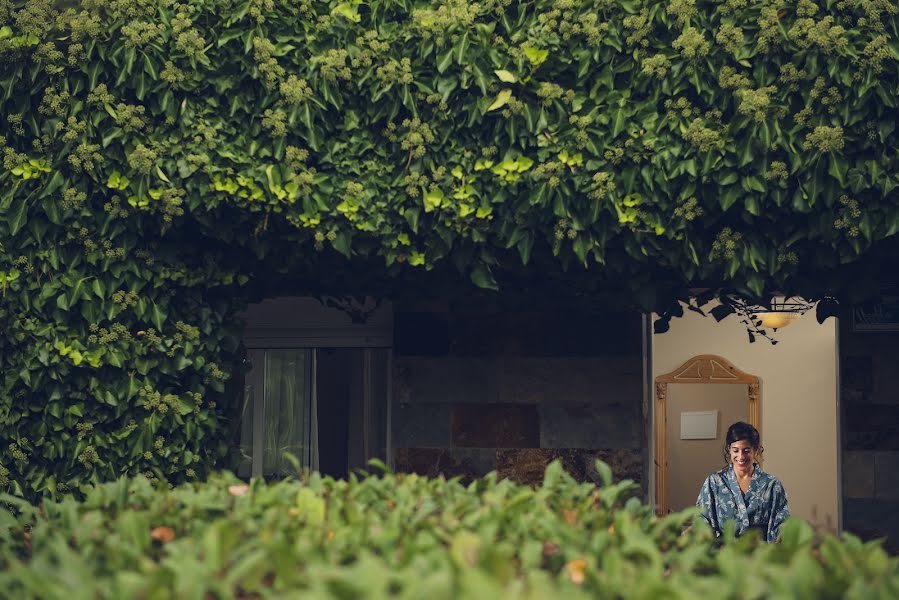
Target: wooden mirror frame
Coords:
[(703, 368)]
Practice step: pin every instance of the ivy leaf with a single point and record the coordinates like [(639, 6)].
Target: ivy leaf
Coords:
[(483, 278), (444, 61), (462, 48), (55, 183), (827, 307), (755, 284), (505, 76), (729, 197), (536, 55), (347, 11), (157, 317), (433, 200), (342, 243), (412, 215), (17, 216), (618, 123), (721, 311), (661, 325), (502, 98), (161, 175)]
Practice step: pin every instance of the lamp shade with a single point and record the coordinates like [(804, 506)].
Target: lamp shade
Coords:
[(776, 319)]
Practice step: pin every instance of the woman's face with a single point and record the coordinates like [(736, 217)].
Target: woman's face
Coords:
[(742, 454)]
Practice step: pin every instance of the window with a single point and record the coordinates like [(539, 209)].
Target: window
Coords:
[(317, 389), (277, 412)]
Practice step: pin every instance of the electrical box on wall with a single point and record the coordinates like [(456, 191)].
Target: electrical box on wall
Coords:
[(699, 425)]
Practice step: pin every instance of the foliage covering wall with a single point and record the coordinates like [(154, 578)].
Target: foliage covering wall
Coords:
[(155, 152)]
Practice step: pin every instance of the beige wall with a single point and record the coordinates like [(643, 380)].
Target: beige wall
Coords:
[(691, 461), (799, 383)]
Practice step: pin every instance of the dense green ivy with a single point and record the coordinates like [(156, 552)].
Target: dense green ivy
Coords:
[(158, 156)]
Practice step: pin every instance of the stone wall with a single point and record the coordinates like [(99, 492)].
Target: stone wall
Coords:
[(508, 391), (870, 434)]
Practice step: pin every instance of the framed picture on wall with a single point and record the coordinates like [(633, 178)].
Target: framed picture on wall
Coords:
[(879, 316)]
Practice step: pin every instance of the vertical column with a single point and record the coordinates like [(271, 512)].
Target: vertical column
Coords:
[(260, 359), (366, 405), (661, 453)]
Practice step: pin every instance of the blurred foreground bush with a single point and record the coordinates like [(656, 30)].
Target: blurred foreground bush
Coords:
[(409, 537)]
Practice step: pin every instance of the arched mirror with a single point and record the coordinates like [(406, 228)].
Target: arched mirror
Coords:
[(692, 413)]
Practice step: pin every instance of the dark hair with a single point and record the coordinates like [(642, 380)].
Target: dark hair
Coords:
[(742, 431)]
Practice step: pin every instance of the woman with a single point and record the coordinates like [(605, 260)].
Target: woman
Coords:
[(742, 492)]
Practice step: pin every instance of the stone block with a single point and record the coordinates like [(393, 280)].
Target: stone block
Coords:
[(858, 474), (886, 476), (857, 372), (871, 440), (475, 461), (626, 463), (593, 380), (446, 380), (420, 334), (433, 462), (851, 397), (423, 461), (871, 518), (591, 425), (495, 426), (885, 390), (421, 425), (527, 465), (545, 333), (871, 427)]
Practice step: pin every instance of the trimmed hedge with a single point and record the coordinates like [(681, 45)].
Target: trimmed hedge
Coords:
[(160, 156), (406, 536)]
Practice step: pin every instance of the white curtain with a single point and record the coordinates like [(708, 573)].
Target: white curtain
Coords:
[(279, 412)]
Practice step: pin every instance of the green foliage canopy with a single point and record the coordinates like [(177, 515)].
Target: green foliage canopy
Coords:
[(155, 152)]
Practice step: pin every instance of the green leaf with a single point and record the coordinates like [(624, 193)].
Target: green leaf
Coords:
[(162, 175), (535, 55), (581, 246), (462, 48), (412, 215), (505, 76), (342, 243), (605, 473), (755, 284), (18, 215), (444, 61), (434, 199), (502, 98), (619, 122), (728, 197), (54, 184), (157, 317), (483, 278), (347, 11), (524, 248)]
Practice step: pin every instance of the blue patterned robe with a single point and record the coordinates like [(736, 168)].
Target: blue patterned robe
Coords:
[(764, 507)]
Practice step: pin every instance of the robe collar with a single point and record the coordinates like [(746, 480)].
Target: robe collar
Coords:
[(744, 507)]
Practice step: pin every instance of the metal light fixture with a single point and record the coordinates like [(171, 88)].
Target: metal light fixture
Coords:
[(779, 313)]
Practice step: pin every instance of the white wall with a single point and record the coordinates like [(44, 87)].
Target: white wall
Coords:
[(799, 389)]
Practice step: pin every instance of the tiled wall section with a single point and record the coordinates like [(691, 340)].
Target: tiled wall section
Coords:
[(511, 391), (870, 398)]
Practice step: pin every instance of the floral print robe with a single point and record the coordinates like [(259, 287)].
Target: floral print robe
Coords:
[(764, 506)]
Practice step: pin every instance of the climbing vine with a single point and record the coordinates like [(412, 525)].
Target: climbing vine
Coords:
[(155, 153)]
